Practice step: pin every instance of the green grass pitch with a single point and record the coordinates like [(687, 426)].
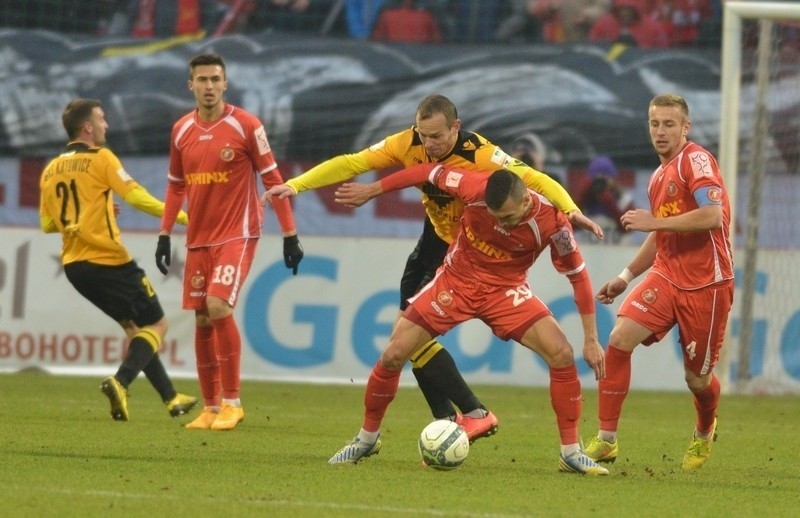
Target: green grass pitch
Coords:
[(61, 454)]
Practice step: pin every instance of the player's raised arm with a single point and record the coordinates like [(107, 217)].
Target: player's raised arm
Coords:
[(544, 185), (578, 219), (353, 194), (356, 194), (141, 199), (555, 192), (332, 171)]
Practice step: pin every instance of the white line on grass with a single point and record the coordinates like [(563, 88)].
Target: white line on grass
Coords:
[(282, 503)]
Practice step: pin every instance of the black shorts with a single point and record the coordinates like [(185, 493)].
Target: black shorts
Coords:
[(122, 292), (423, 262)]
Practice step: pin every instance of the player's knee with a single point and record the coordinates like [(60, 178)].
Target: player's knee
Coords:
[(161, 327), (202, 319), (218, 308), (562, 357), (392, 362), (393, 357), (620, 339), (696, 383)]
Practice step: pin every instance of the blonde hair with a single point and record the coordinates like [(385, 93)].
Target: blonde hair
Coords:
[(667, 100)]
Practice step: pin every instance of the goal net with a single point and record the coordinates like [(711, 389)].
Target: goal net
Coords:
[(760, 157)]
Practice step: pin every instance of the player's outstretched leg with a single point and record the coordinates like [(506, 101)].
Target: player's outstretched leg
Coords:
[(477, 427), (441, 382)]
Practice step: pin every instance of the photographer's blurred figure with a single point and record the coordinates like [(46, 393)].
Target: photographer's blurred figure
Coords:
[(530, 149), (600, 196)]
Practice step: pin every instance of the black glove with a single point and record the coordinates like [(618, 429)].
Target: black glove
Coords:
[(163, 253), (292, 253)]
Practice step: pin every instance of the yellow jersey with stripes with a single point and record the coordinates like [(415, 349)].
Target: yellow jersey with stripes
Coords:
[(471, 151), (76, 193)]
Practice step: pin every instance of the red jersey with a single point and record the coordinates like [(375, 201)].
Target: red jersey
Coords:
[(642, 32), (691, 260), (217, 165), (406, 24), (484, 252)]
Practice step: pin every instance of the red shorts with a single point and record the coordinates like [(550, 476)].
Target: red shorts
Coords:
[(447, 301), (219, 271), (701, 316)]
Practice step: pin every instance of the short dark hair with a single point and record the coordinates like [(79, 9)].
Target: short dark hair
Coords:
[(502, 185), (436, 103), (206, 59), (77, 112)]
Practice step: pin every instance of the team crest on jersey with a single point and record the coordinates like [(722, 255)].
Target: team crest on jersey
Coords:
[(444, 298), (649, 296), (714, 195), (672, 189), (226, 154), (564, 241), (701, 164), (198, 281)]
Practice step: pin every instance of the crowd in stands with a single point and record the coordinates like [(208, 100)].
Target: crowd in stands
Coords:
[(641, 23)]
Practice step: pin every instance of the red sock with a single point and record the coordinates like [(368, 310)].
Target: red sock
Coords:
[(208, 375), (229, 344), (706, 403), (381, 389), (565, 396), (613, 389)]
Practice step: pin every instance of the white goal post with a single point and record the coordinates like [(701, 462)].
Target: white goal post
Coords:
[(758, 103)]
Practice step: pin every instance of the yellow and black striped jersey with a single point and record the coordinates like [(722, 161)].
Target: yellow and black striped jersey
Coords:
[(76, 193), (471, 151)]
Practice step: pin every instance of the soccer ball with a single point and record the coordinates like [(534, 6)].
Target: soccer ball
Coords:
[(443, 445)]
